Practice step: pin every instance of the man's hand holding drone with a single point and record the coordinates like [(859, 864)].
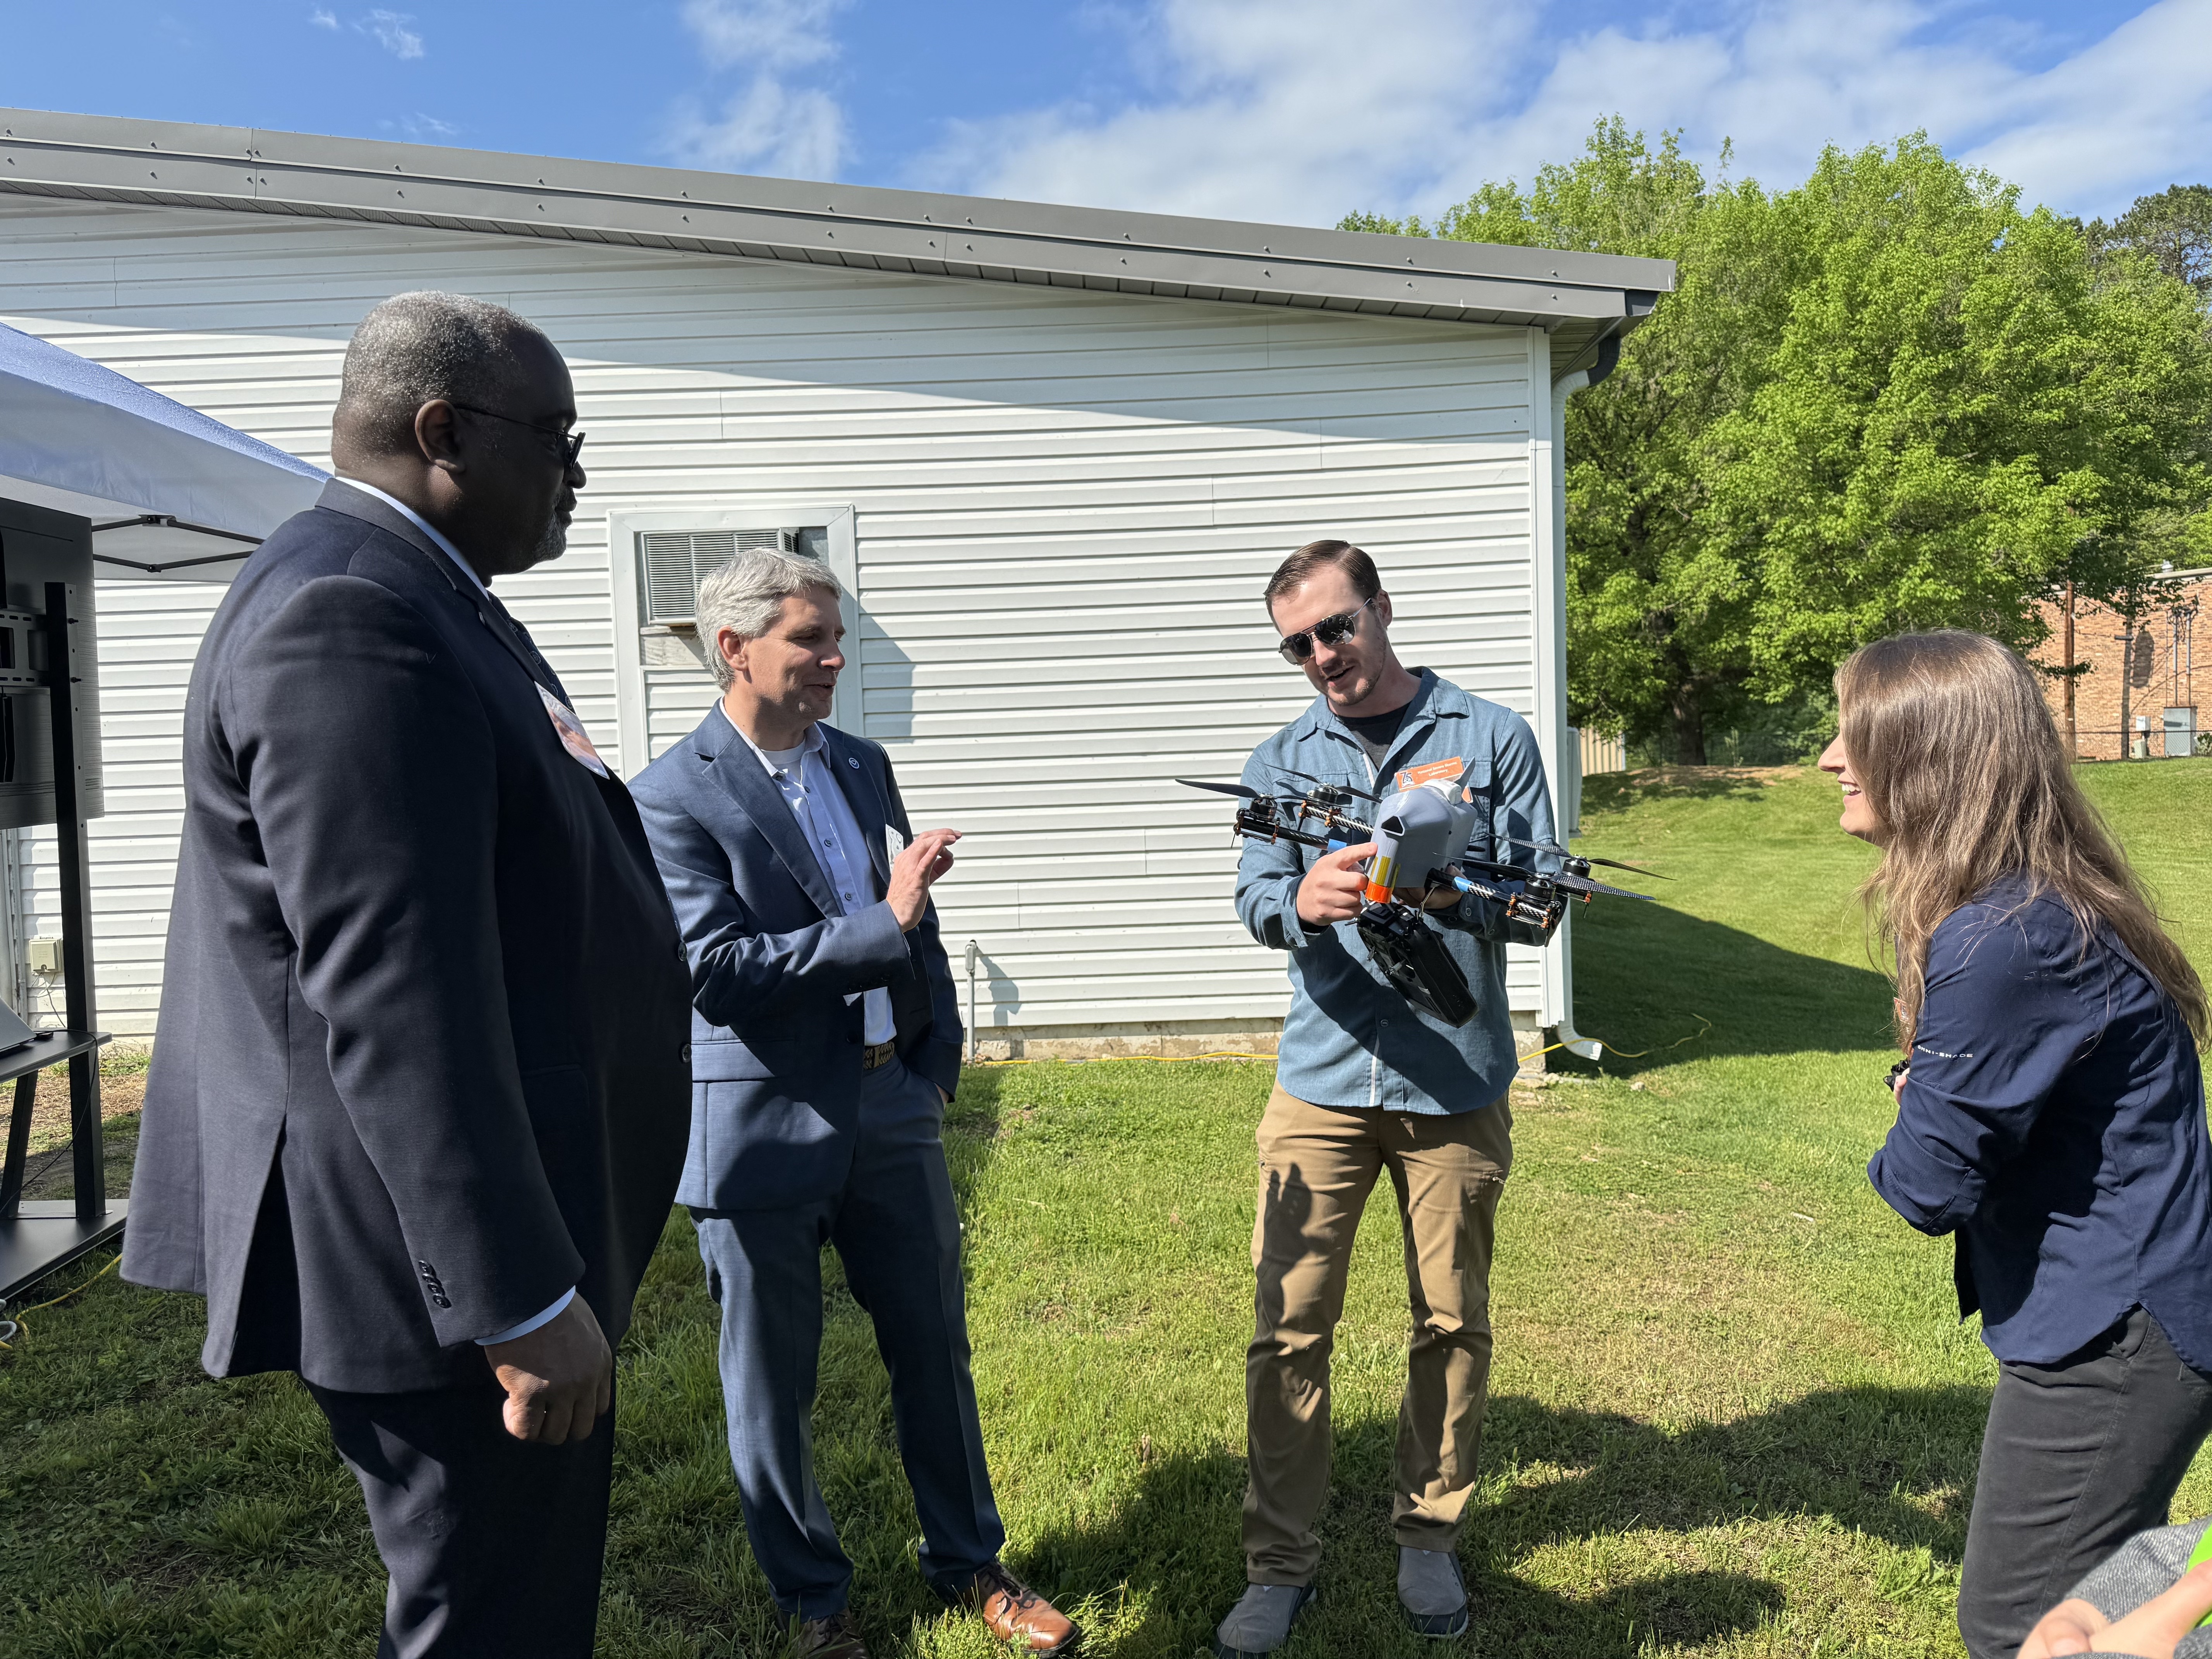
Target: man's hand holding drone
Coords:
[(1331, 891)]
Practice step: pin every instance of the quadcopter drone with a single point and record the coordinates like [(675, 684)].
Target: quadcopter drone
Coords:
[(1424, 838)]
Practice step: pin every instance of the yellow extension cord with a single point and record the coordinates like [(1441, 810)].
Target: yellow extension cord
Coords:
[(1094, 1060), (15, 1324), (1703, 1026)]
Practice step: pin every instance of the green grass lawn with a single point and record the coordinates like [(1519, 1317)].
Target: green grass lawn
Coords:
[(1733, 1410)]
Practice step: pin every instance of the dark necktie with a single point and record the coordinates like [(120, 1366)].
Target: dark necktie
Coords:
[(521, 635)]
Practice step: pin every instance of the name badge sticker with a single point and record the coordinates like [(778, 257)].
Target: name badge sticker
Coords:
[(1443, 771), (573, 739)]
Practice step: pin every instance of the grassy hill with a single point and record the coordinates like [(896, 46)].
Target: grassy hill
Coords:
[(1733, 1412)]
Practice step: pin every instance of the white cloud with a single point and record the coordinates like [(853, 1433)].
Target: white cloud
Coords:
[(768, 125), (1260, 109), (389, 30), (2132, 112), (323, 20), (1277, 110), (427, 128), (766, 36), (768, 128)]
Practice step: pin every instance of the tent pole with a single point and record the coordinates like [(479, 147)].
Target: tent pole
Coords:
[(87, 1154)]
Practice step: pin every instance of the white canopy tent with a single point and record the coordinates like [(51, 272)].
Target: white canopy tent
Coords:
[(171, 493)]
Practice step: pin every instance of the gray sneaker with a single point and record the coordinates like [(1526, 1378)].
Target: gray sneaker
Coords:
[(1261, 1621), (1432, 1592)]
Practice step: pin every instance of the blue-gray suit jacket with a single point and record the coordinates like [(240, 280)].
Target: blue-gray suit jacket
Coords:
[(776, 1048)]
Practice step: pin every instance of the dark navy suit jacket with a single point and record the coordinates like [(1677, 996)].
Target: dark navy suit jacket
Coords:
[(776, 1048), (2054, 1118), (420, 1064)]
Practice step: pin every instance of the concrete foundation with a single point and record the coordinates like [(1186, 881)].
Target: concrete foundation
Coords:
[(1168, 1040)]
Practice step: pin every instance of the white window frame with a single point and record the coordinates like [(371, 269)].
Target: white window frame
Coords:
[(626, 524)]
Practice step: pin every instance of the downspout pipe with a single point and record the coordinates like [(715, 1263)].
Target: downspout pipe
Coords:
[(1607, 357)]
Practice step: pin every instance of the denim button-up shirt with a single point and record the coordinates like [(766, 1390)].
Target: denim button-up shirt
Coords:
[(1349, 1039)]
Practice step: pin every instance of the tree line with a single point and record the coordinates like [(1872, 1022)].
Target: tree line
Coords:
[(1888, 397)]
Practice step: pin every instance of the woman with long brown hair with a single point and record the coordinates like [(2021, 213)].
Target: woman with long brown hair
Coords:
[(2051, 1112)]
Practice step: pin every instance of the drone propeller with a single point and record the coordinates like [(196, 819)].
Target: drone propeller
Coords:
[(1615, 864), (1558, 851), (1584, 884), (1357, 795), (1237, 789)]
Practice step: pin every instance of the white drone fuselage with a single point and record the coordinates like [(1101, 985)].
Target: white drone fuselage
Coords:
[(1417, 832)]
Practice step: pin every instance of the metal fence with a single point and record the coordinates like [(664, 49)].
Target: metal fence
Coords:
[(1602, 754), (2115, 743)]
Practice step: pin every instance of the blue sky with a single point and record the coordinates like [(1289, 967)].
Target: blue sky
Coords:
[(1282, 110)]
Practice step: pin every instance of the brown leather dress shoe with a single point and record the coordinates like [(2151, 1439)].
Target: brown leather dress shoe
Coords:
[(1012, 1612), (835, 1638)]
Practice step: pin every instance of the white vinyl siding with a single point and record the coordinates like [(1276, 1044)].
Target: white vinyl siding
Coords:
[(1063, 506)]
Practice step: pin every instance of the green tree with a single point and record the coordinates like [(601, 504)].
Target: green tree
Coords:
[(1958, 408), (2173, 229), (1656, 608), (1887, 398)]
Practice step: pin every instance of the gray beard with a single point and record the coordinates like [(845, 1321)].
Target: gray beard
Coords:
[(552, 545)]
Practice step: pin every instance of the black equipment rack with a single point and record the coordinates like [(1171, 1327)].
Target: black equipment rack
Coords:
[(39, 1237)]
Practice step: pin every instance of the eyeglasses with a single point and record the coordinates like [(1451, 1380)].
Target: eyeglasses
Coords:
[(1329, 630), (569, 445)]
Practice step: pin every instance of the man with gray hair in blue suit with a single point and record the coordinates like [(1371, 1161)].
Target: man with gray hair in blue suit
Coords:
[(825, 1046)]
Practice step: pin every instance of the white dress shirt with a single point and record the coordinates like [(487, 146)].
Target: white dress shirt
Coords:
[(802, 776), (422, 525)]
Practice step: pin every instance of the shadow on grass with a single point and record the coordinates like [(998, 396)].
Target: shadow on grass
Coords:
[(1898, 1464), (973, 1119), (1171, 1553), (1895, 1463), (1604, 791), (1646, 964)]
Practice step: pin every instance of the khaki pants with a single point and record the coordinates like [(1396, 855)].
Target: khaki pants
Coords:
[(1317, 1165)]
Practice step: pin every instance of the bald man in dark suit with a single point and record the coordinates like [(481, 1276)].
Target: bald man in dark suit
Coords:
[(421, 1082)]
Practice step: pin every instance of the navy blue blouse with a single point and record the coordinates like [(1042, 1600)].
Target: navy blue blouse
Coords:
[(2054, 1118)]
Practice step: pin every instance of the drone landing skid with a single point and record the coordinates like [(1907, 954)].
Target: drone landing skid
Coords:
[(1413, 958)]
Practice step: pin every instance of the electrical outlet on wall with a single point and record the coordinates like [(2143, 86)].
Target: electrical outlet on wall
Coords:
[(45, 955)]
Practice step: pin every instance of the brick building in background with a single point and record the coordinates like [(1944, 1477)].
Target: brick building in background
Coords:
[(2159, 683)]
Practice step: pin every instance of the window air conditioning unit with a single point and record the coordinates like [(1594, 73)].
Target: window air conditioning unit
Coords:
[(672, 563)]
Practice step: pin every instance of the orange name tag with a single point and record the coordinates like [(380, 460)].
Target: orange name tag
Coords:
[(570, 731), (1443, 771)]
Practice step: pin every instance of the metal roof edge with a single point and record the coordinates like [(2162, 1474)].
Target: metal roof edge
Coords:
[(121, 158)]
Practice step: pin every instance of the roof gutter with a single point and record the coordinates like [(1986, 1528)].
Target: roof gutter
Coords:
[(1604, 356), (240, 169)]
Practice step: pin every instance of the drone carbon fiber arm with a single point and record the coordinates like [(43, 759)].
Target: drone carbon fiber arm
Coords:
[(1515, 802), (1267, 877)]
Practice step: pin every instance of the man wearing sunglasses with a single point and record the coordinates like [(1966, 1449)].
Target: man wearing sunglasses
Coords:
[(1366, 1083)]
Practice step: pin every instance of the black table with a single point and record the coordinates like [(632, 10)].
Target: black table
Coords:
[(37, 1236)]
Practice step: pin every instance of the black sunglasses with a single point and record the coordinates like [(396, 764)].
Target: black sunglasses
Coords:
[(569, 445), (1329, 630)]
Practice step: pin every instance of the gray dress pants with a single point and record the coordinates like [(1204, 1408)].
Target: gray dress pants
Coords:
[(2078, 1458)]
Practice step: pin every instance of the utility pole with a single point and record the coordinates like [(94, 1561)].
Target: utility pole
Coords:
[(2127, 680), (2073, 748)]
